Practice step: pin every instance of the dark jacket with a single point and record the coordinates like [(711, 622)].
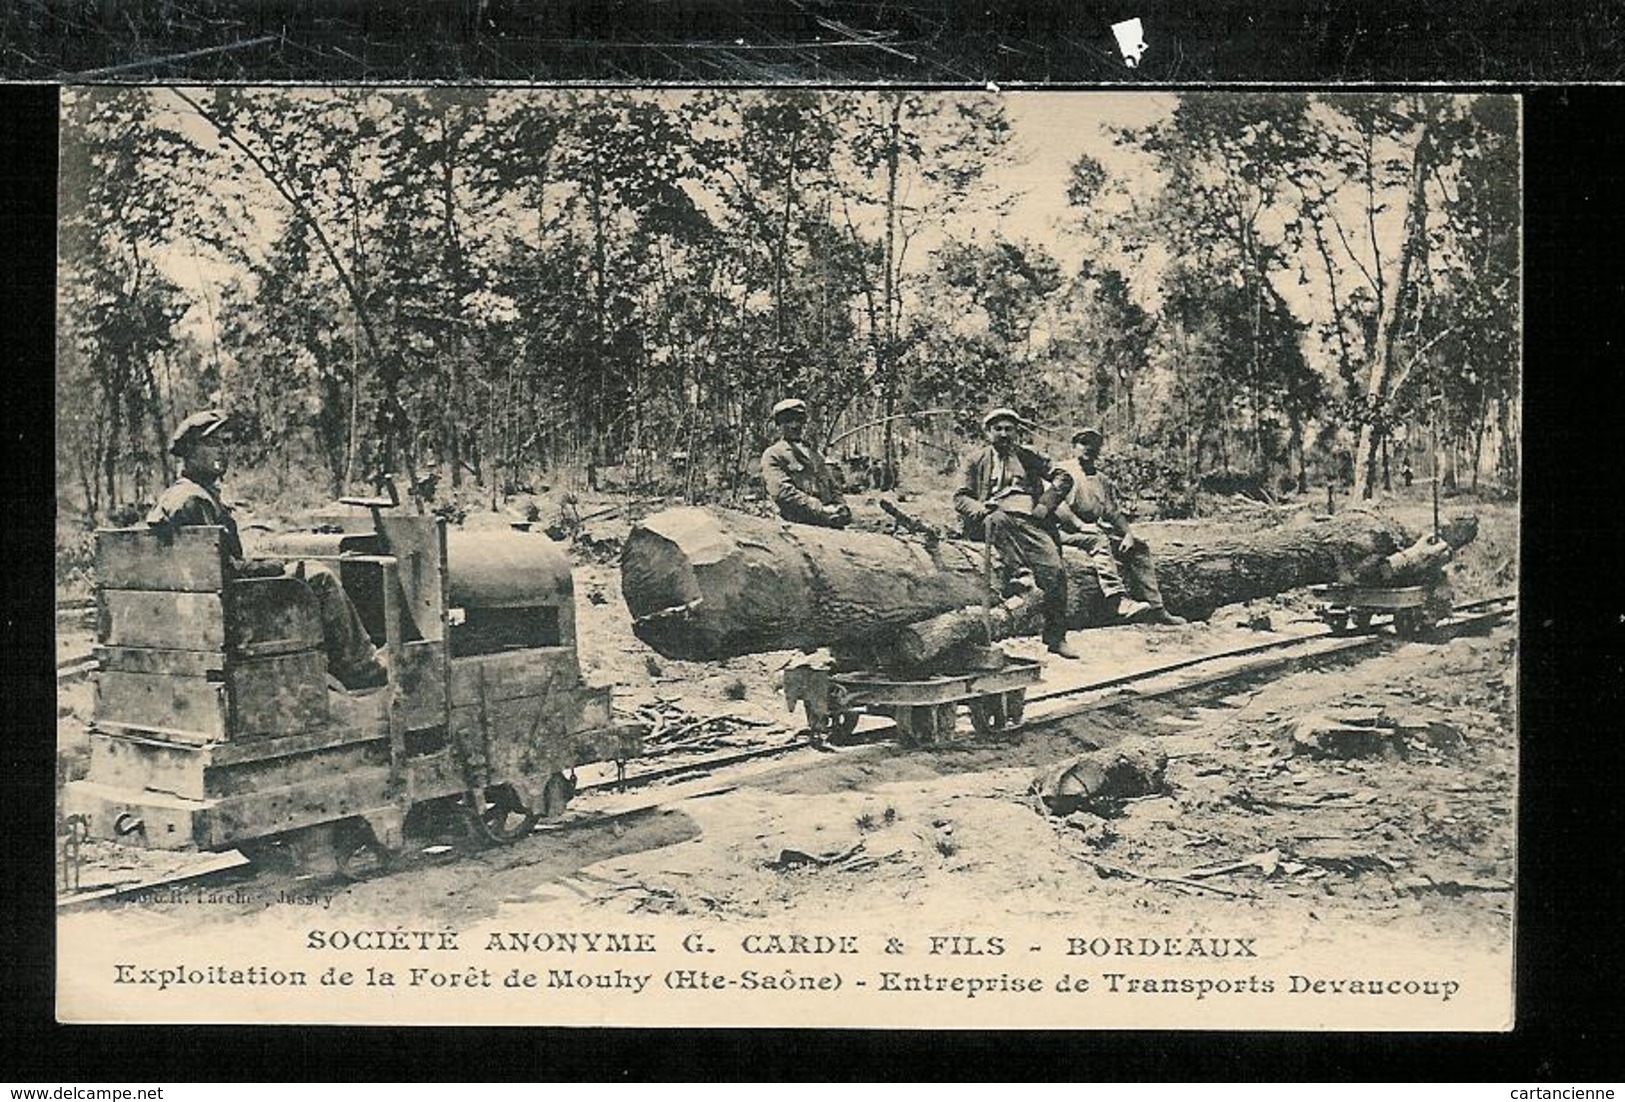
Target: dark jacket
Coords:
[(800, 483), (192, 504), (1040, 479)]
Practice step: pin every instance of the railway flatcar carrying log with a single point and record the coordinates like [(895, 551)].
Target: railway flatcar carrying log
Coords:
[(704, 584)]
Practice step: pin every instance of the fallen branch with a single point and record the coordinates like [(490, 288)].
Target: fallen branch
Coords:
[(1153, 878), (1266, 862)]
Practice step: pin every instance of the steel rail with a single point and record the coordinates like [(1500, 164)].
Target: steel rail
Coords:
[(1235, 652), (1480, 612)]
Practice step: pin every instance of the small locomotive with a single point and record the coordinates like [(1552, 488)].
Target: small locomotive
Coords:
[(216, 726)]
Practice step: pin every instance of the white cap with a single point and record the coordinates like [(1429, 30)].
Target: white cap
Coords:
[(790, 405)]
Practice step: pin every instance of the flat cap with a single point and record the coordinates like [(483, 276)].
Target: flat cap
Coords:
[(1090, 433), (200, 426), (1003, 413), (789, 405)]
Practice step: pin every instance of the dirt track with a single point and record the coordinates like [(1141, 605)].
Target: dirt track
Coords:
[(1416, 841)]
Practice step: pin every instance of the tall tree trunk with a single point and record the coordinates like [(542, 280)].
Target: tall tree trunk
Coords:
[(457, 269), (889, 380), (782, 245), (110, 464), (1480, 425), (1256, 382), (160, 434), (1397, 302), (1507, 457), (597, 365), (1295, 449)]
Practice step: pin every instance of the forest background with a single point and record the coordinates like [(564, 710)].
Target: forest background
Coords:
[(501, 291)]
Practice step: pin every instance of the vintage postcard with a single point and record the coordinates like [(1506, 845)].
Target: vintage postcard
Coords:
[(788, 557)]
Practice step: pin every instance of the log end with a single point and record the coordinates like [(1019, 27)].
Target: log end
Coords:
[(660, 589), (700, 590)]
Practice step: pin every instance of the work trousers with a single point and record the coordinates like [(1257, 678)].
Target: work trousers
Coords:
[(1023, 543), (351, 656), (1113, 567)]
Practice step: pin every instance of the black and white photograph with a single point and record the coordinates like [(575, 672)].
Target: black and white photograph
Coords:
[(788, 556)]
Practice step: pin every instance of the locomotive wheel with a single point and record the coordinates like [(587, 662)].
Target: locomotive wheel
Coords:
[(357, 851), (498, 814), (271, 853), (304, 851), (556, 795)]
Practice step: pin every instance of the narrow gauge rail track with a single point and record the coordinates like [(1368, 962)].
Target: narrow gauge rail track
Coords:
[(617, 799)]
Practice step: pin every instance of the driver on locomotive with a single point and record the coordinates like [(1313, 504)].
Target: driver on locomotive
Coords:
[(201, 443)]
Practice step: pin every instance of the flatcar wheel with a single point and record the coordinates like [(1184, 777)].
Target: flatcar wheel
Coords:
[(1361, 621), (1015, 708), (842, 724), (919, 723), (497, 814), (987, 714)]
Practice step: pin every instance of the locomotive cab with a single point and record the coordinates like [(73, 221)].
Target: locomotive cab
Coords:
[(216, 725)]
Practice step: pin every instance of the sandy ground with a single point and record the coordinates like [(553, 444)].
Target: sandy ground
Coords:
[(1411, 844), (1418, 835)]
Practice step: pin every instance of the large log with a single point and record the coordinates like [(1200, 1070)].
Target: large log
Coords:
[(1421, 562), (712, 583), (977, 626), (706, 584)]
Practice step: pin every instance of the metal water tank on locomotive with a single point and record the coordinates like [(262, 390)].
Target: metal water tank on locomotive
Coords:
[(216, 726)]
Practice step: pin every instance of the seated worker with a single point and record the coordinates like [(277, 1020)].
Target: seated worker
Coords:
[(194, 501), (798, 480), (1007, 494), (1091, 521)]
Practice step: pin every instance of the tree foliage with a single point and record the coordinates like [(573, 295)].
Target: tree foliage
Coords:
[(508, 289)]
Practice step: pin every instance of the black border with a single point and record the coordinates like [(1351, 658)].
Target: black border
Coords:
[(791, 40), (1572, 697)]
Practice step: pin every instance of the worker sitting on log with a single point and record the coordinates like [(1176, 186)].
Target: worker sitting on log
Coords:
[(798, 480), (1007, 495), (1092, 521), (194, 501)]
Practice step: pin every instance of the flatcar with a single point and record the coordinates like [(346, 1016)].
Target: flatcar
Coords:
[(216, 726)]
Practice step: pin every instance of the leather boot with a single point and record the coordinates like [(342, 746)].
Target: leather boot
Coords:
[(1060, 649)]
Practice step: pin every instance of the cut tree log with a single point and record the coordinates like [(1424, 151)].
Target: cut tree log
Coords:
[(705, 584), (1420, 562), (925, 640)]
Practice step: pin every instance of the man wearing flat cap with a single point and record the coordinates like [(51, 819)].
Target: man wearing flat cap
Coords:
[(1007, 495), (194, 501), (798, 480), (1092, 521)]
